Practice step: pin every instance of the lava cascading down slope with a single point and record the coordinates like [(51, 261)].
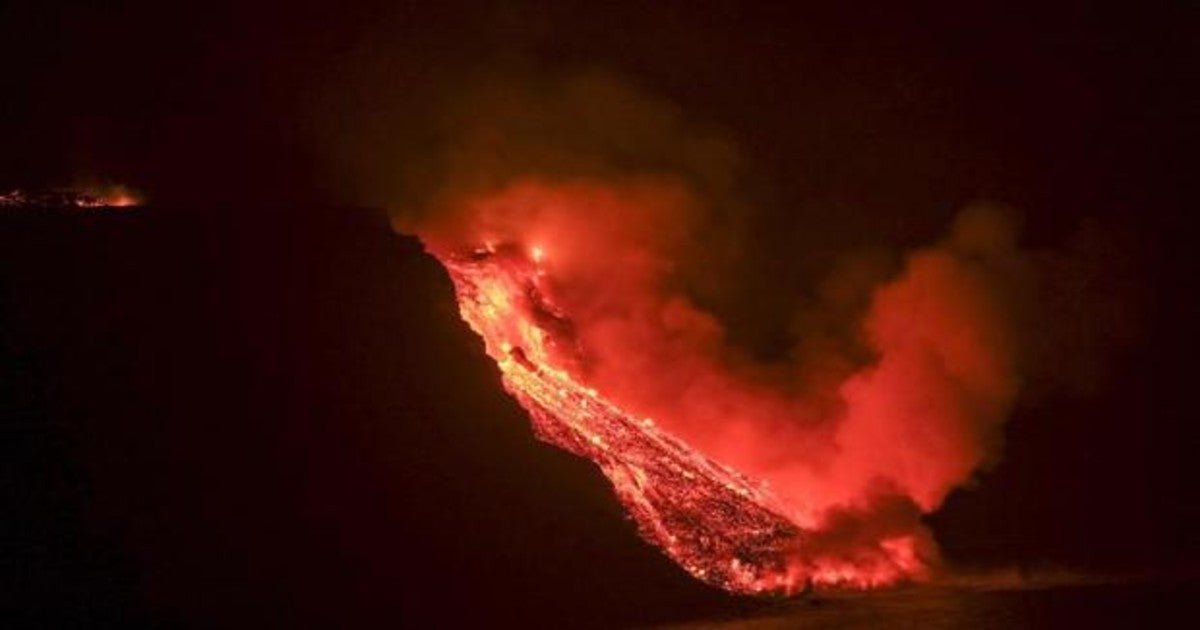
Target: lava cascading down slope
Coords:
[(720, 526)]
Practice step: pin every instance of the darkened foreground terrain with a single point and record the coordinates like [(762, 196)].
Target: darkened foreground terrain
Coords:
[(276, 418), (239, 419), (1127, 605)]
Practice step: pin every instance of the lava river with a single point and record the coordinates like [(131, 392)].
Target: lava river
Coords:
[(721, 526)]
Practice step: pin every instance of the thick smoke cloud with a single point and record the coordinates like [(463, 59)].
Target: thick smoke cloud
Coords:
[(901, 379)]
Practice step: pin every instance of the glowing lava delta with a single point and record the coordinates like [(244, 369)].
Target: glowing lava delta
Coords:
[(720, 526)]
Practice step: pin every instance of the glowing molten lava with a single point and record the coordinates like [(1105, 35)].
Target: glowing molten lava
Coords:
[(755, 476), (719, 525)]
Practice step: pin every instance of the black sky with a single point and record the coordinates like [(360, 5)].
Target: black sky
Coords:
[(240, 402)]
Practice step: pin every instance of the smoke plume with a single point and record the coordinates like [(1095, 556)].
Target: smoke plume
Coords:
[(891, 398)]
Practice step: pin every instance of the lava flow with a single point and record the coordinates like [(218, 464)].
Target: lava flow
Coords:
[(755, 476), (719, 525)]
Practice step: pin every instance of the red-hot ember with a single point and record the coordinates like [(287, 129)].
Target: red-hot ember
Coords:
[(744, 486)]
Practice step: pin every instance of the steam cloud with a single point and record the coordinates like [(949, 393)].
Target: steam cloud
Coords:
[(629, 203)]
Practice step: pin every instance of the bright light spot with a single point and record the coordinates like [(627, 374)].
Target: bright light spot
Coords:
[(121, 201), (537, 253)]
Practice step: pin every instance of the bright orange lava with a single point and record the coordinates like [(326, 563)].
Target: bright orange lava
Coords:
[(722, 527)]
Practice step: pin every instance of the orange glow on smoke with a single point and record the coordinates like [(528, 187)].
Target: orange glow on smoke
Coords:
[(730, 470)]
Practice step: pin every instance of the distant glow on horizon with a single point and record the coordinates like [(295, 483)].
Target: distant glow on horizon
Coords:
[(90, 198)]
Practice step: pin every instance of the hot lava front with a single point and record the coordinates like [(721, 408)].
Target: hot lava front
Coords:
[(722, 527)]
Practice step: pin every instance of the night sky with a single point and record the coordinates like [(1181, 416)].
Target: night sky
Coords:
[(252, 402)]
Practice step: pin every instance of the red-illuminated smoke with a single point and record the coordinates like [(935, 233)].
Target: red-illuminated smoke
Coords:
[(737, 472)]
